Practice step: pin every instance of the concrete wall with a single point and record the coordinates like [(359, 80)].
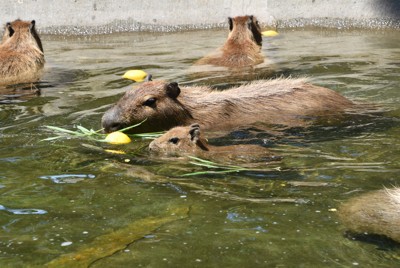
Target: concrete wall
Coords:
[(102, 16)]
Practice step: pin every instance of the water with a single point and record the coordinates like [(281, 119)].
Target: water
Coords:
[(62, 197)]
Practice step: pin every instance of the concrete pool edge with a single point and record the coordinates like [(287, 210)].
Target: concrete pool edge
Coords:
[(73, 17)]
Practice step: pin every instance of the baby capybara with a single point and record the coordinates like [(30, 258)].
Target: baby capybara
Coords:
[(375, 213), (180, 139), (243, 46), (288, 102), (187, 140), (21, 53)]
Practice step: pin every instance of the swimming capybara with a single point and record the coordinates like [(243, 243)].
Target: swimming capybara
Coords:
[(375, 213), (187, 140), (21, 53), (243, 46), (287, 102)]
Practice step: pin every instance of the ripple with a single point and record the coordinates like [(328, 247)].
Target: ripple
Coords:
[(68, 178), (23, 211)]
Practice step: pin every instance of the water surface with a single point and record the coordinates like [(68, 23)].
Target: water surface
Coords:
[(62, 197)]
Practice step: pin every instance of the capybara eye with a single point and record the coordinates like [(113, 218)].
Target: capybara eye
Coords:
[(174, 140), (150, 102)]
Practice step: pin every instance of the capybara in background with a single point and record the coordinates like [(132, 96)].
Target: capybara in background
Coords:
[(187, 140), (375, 213), (21, 53), (288, 102), (243, 46)]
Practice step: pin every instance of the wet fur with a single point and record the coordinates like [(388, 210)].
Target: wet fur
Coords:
[(376, 213), (243, 46), (187, 140), (281, 101), (21, 53)]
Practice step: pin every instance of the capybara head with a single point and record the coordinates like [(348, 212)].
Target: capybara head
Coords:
[(180, 139), (153, 102), (246, 27), (22, 33)]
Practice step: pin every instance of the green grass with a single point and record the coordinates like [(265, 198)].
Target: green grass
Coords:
[(95, 135), (214, 168)]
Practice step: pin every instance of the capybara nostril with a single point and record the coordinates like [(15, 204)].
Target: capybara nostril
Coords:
[(112, 126)]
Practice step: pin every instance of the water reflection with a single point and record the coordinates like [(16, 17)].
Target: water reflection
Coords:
[(68, 178)]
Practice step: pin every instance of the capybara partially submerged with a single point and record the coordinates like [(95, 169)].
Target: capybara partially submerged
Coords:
[(243, 46), (21, 53), (288, 102), (187, 140), (375, 213)]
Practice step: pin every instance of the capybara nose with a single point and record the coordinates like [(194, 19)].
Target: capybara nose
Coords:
[(113, 126), (110, 122)]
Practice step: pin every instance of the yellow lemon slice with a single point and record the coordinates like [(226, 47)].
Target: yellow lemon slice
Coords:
[(135, 75), (117, 137), (269, 33)]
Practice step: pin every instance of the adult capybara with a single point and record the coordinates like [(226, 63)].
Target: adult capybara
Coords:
[(288, 102), (21, 53), (376, 213), (187, 140), (243, 46)]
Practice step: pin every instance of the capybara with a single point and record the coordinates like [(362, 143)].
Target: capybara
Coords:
[(187, 140), (21, 53), (243, 46), (375, 213), (287, 102)]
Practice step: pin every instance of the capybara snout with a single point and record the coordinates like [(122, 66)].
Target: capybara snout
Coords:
[(154, 105)]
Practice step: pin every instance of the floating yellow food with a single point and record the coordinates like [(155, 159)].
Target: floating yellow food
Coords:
[(269, 33), (135, 75), (117, 137)]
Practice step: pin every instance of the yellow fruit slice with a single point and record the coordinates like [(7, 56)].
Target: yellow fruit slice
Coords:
[(269, 33), (117, 137), (135, 75)]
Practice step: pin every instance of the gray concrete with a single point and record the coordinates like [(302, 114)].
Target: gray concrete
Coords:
[(101, 16)]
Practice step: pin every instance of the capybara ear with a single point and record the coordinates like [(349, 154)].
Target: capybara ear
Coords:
[(173, 90), (33, 22), (230, 21), (148, 78), (10, 29), (194, 132)]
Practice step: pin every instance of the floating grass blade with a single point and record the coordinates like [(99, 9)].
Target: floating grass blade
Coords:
[(221, 168), (96, 135)]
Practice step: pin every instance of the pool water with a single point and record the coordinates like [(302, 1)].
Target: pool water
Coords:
[(69, 203)]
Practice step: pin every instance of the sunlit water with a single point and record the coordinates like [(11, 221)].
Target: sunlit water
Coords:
[(63, 197)]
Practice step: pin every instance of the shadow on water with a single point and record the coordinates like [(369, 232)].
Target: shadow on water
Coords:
[(324, 129), (382, 242), (52, 78)]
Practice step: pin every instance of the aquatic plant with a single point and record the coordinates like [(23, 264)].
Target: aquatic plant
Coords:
[(96, 135)]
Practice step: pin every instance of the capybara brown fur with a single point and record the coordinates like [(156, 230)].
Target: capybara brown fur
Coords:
[(375, 213), (187, 140), (243, 46), (287, 102), (21, 53)]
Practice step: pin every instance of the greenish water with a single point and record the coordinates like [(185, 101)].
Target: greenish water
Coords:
[(63, 198)]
